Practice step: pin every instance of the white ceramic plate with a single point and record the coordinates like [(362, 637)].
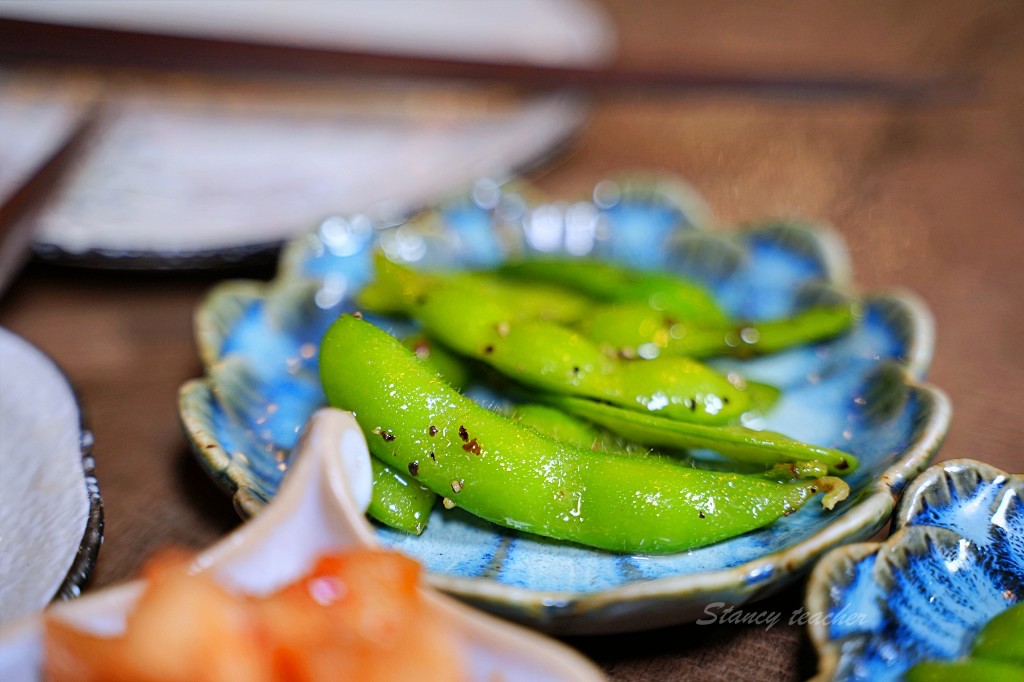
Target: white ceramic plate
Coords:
[(199, 182), (545, 32), (51, 518)]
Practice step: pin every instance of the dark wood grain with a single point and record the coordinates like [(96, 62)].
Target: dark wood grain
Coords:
[(929, 197), (30, 42)]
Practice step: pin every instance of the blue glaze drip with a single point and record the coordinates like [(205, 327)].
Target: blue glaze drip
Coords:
[(953, 565), (940, 599)]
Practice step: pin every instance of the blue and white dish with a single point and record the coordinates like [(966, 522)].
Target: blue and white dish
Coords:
[(51, 516), (861, 392), (954, 561)]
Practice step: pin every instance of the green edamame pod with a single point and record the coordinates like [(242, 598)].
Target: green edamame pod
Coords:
[(634, 328), (556, 424), (996, 654), (516, 477), (567, 428), (788, 470), (612, 283), (967, 669), (812, 325), (394, 283), (436, 356), (1002, 638), (529, 299), (735, 442), (556, 359), (398, 501)]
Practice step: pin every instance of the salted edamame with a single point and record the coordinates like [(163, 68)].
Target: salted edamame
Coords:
[(553, 358), (514, 476)]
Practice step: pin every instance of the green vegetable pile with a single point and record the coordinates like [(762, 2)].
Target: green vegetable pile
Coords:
[(601, 360)]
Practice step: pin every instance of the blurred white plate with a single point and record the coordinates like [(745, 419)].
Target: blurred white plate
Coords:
[(187, 177), (196, 182), (51, 518), (540, 32), (41, 125)]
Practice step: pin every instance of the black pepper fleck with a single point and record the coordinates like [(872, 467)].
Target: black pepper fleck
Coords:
[(463, 433)]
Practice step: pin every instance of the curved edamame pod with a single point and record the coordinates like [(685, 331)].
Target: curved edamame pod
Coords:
[(557, 359), (567, 428), (965, 669), (635, 328), (398, 501), (436, 356), (529, 299), (556, 424), (395, 283), (1002, 636), (516, 477), (610, 283), (735, 442)]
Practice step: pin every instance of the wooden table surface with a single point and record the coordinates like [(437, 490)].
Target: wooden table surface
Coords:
[(929, 197)]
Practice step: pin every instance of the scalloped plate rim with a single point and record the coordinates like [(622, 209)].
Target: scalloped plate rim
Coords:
[(819, 586), (870, 513)]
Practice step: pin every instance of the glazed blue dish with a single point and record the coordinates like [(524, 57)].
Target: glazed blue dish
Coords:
[(860, 392), (954, 561)]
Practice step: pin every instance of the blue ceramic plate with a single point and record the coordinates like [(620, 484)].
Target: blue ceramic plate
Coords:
[(954, 561), (860, 392)]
